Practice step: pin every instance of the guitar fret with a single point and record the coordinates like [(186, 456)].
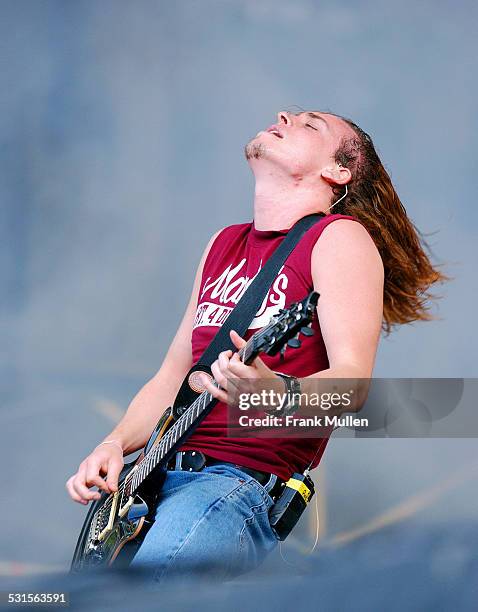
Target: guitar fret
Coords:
[(148, 463), (182, 423), (170, 438), (154, 458)]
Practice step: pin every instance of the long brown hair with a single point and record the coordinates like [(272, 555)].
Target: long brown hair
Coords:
[(372, 200)]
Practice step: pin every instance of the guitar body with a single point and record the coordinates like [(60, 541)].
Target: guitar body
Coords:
[(117, 523), (110, 537)]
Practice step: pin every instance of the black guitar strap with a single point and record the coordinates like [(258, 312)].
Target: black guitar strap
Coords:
[(247, 307)]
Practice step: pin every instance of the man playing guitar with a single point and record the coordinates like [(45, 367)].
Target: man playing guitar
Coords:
[(364, 258)]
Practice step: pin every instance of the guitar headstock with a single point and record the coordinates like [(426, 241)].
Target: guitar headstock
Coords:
[(286, 327)]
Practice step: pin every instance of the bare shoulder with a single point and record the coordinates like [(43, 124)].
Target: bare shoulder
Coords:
[(348, 273), (346, 242)]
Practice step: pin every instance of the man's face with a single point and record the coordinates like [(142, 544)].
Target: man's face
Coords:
[(301, 144)]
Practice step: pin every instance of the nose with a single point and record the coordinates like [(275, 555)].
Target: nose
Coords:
[(284, 118)]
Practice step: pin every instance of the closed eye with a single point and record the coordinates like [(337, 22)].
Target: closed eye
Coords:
[(311, 126)]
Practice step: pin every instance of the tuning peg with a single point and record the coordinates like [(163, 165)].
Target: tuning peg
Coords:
[(294, 343), (306, 331)]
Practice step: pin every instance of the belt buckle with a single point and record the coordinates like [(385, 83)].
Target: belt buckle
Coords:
[(190, 461)]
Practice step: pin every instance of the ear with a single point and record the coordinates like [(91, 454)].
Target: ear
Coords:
[(336, 174)]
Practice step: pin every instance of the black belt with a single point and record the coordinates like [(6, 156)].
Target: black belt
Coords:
[(195, 461)]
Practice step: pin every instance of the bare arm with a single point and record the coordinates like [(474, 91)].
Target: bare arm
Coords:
[(347, 271), (134, 429)]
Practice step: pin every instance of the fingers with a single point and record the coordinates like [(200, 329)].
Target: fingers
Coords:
[(114, 469), (236, 338), (229, 369), (257, 363), (93, 477), (216, 392), (77, 490), (219, 368), (79, 485), (235, 368), (73, 494), (89, 475), (240, 369), (228, 366)]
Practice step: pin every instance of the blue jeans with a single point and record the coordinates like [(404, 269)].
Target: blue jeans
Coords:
[(213, 523)]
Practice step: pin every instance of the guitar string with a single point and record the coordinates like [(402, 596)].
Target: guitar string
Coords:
[(181, 420), (144, 469), (170, 433), (164, 442)]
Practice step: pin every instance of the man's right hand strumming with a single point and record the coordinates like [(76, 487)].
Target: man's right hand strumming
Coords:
[(106, 461)]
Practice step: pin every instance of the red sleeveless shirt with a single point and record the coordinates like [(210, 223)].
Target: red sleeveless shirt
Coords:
[(235, 258)]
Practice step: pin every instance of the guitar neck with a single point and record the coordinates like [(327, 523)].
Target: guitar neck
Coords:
[(176, 435), (270, 339)]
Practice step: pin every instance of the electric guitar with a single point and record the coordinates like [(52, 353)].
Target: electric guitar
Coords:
[(117, 523)]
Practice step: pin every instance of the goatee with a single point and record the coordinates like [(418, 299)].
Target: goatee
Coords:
[(254, 149)]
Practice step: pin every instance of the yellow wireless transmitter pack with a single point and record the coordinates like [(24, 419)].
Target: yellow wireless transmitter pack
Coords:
[(285, 513)]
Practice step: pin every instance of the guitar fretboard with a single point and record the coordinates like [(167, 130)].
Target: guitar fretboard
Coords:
[(281, 328), (162, 452), (164, 449)]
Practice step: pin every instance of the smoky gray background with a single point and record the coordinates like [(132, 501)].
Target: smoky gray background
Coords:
[(122, 130)]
